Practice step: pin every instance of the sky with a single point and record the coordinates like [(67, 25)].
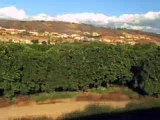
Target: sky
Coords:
[(132, 14)]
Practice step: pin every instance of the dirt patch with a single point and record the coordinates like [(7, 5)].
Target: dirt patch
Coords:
[(23, 101), (55, 108), (88, 97), (52, 110), (4, 103), (113, 96)]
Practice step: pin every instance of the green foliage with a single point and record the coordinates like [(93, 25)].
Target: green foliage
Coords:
[(32, 69), (150, 74), (125, 90), (35, 41), (130, 93)]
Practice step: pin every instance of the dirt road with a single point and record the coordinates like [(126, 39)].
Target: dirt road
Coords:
[(52, 110)]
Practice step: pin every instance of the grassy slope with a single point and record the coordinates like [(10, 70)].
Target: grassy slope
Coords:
[(101, 91), (124, 90), (54, 95)]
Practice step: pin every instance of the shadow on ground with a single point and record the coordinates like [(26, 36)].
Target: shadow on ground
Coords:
[(147, 114)]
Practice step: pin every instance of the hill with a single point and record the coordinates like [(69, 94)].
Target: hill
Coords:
[(107, 35), (54, 26)]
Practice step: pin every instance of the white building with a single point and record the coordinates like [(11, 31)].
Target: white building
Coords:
[(95, 34), (34, 33)]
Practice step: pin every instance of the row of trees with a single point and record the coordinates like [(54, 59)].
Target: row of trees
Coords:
[(30, 69)]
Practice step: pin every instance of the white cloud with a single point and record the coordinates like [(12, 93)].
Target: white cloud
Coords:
[(12, 12), (42, 17), (148, 22), (152, 15), (85, 18)]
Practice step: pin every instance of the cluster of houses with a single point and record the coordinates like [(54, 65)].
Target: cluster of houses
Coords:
[(126, 38), (54, 37), (134, 37), (44, 37)]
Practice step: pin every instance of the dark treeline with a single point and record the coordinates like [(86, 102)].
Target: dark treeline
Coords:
[(31, 69)]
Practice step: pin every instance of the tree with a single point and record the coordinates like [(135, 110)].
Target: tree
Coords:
[(35, 41), (150, 76), (10, 70)]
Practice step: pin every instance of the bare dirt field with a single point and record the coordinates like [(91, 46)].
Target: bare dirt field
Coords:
[(52, 109)]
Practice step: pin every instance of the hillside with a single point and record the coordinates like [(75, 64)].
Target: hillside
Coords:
[(106, 35), (54, 26)]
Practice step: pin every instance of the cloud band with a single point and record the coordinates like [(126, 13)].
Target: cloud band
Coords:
[(149, 21)]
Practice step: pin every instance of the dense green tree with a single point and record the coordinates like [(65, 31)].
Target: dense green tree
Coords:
[(150, 74), (31, 69)]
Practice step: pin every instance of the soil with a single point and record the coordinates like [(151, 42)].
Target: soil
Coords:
[(24, 107), (4, 103), (52, 110), (112, 96)]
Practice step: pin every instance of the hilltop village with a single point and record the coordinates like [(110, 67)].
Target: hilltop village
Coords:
[(30, 37)]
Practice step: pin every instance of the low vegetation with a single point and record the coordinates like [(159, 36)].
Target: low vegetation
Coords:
[(121, 89), (54, 95), (34, 118)]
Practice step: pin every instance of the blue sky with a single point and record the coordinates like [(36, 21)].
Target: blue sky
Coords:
[(108, 7)]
